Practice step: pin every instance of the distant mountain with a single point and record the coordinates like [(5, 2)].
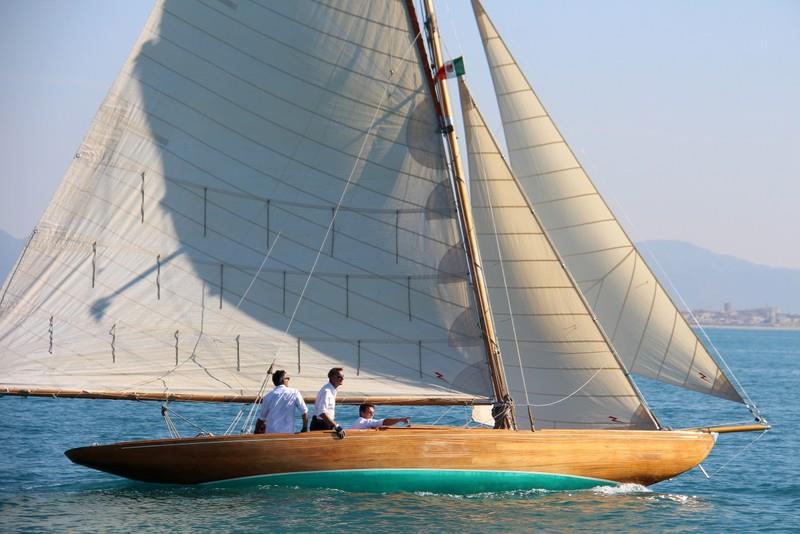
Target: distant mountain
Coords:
[(10, 247), (707, 280)]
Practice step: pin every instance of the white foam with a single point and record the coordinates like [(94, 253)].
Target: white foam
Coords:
[(486, 494), (622, 489)]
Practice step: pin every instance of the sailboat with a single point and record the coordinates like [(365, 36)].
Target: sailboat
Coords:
[(280, 184)]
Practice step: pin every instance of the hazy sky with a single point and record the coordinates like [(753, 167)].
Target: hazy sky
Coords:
[(685, 113)]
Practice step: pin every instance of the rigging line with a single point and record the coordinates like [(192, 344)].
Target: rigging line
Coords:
[(202, 320), (17, 265), (139, 330), (277, 205), (295, 50), (447, 411), (34, 308), (732, 458), (246, 291), (75, 325), (507, 293), (453, 29), (341, 197), (582, 297), (348, 263), (571, 394), (166, 410), (253, 113), (193, 354), (238, 304), (346, 39), (236, 419), (333, 217), (287, 183), (251, 139), (266, 257), (305, 219), (496, 133), (749, 402), (248, 421), (378, 354), (618, 208)]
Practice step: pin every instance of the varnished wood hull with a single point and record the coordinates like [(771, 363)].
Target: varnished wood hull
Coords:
[(420, 458)]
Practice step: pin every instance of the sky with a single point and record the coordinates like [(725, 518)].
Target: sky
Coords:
[(685, 113)]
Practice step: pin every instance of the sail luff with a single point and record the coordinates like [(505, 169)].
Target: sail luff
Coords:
[(650, 334), (532, 292), (465, 217)]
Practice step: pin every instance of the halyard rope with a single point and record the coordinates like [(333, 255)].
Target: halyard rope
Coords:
[(732, 458), (248, 420)]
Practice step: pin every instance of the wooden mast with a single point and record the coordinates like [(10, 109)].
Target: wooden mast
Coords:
[(499, 384)]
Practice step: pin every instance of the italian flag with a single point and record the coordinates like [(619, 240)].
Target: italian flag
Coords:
[(451, 69)]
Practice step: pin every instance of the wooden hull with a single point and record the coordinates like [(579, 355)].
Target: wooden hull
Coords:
[(445, 459)]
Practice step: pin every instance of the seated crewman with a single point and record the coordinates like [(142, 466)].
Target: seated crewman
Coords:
[(366, 418)]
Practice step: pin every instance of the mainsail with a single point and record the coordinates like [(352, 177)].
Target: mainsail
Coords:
[(645, 327), (264, 181), (556, 359)]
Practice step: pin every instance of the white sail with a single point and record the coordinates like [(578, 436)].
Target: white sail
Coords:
[(200, 207), (645, 327), (555, 357)]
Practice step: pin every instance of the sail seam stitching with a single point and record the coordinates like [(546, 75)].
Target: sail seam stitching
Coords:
[(538, 145), (532, 117), (562, 199), (167, 344), (545, 173), (272, 66), (262, 90), (587, 223)]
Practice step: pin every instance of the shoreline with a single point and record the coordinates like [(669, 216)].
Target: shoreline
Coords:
[(752, 327)]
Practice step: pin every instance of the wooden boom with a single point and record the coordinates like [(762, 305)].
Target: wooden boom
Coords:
[(727, 429), (222, 397)]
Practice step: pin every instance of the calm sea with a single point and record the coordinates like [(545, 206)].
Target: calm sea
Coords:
[(750, 489)]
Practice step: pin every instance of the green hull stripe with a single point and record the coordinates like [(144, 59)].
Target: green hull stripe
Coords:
[(450, 481)]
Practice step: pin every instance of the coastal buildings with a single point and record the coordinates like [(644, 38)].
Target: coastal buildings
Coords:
[(768, 317)]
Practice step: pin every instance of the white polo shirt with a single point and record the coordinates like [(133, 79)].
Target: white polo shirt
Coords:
[(362, 423), (326, 401), (277, 409)]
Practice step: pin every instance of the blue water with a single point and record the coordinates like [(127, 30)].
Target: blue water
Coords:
[(754, 489)]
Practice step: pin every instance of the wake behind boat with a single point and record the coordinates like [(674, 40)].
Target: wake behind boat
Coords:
[(281, 182)]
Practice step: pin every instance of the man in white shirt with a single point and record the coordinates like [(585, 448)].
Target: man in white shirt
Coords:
[(277, 408), (366, 419), (325, 405)]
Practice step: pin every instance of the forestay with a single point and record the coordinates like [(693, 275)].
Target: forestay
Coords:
[(556, 359), (247, 154), (643, 324)]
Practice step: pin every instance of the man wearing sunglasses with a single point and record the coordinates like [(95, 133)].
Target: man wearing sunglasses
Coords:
[(325, 405)]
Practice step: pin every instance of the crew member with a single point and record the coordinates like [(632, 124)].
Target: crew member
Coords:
[(277, 408), (366, 418), (325, 405)]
